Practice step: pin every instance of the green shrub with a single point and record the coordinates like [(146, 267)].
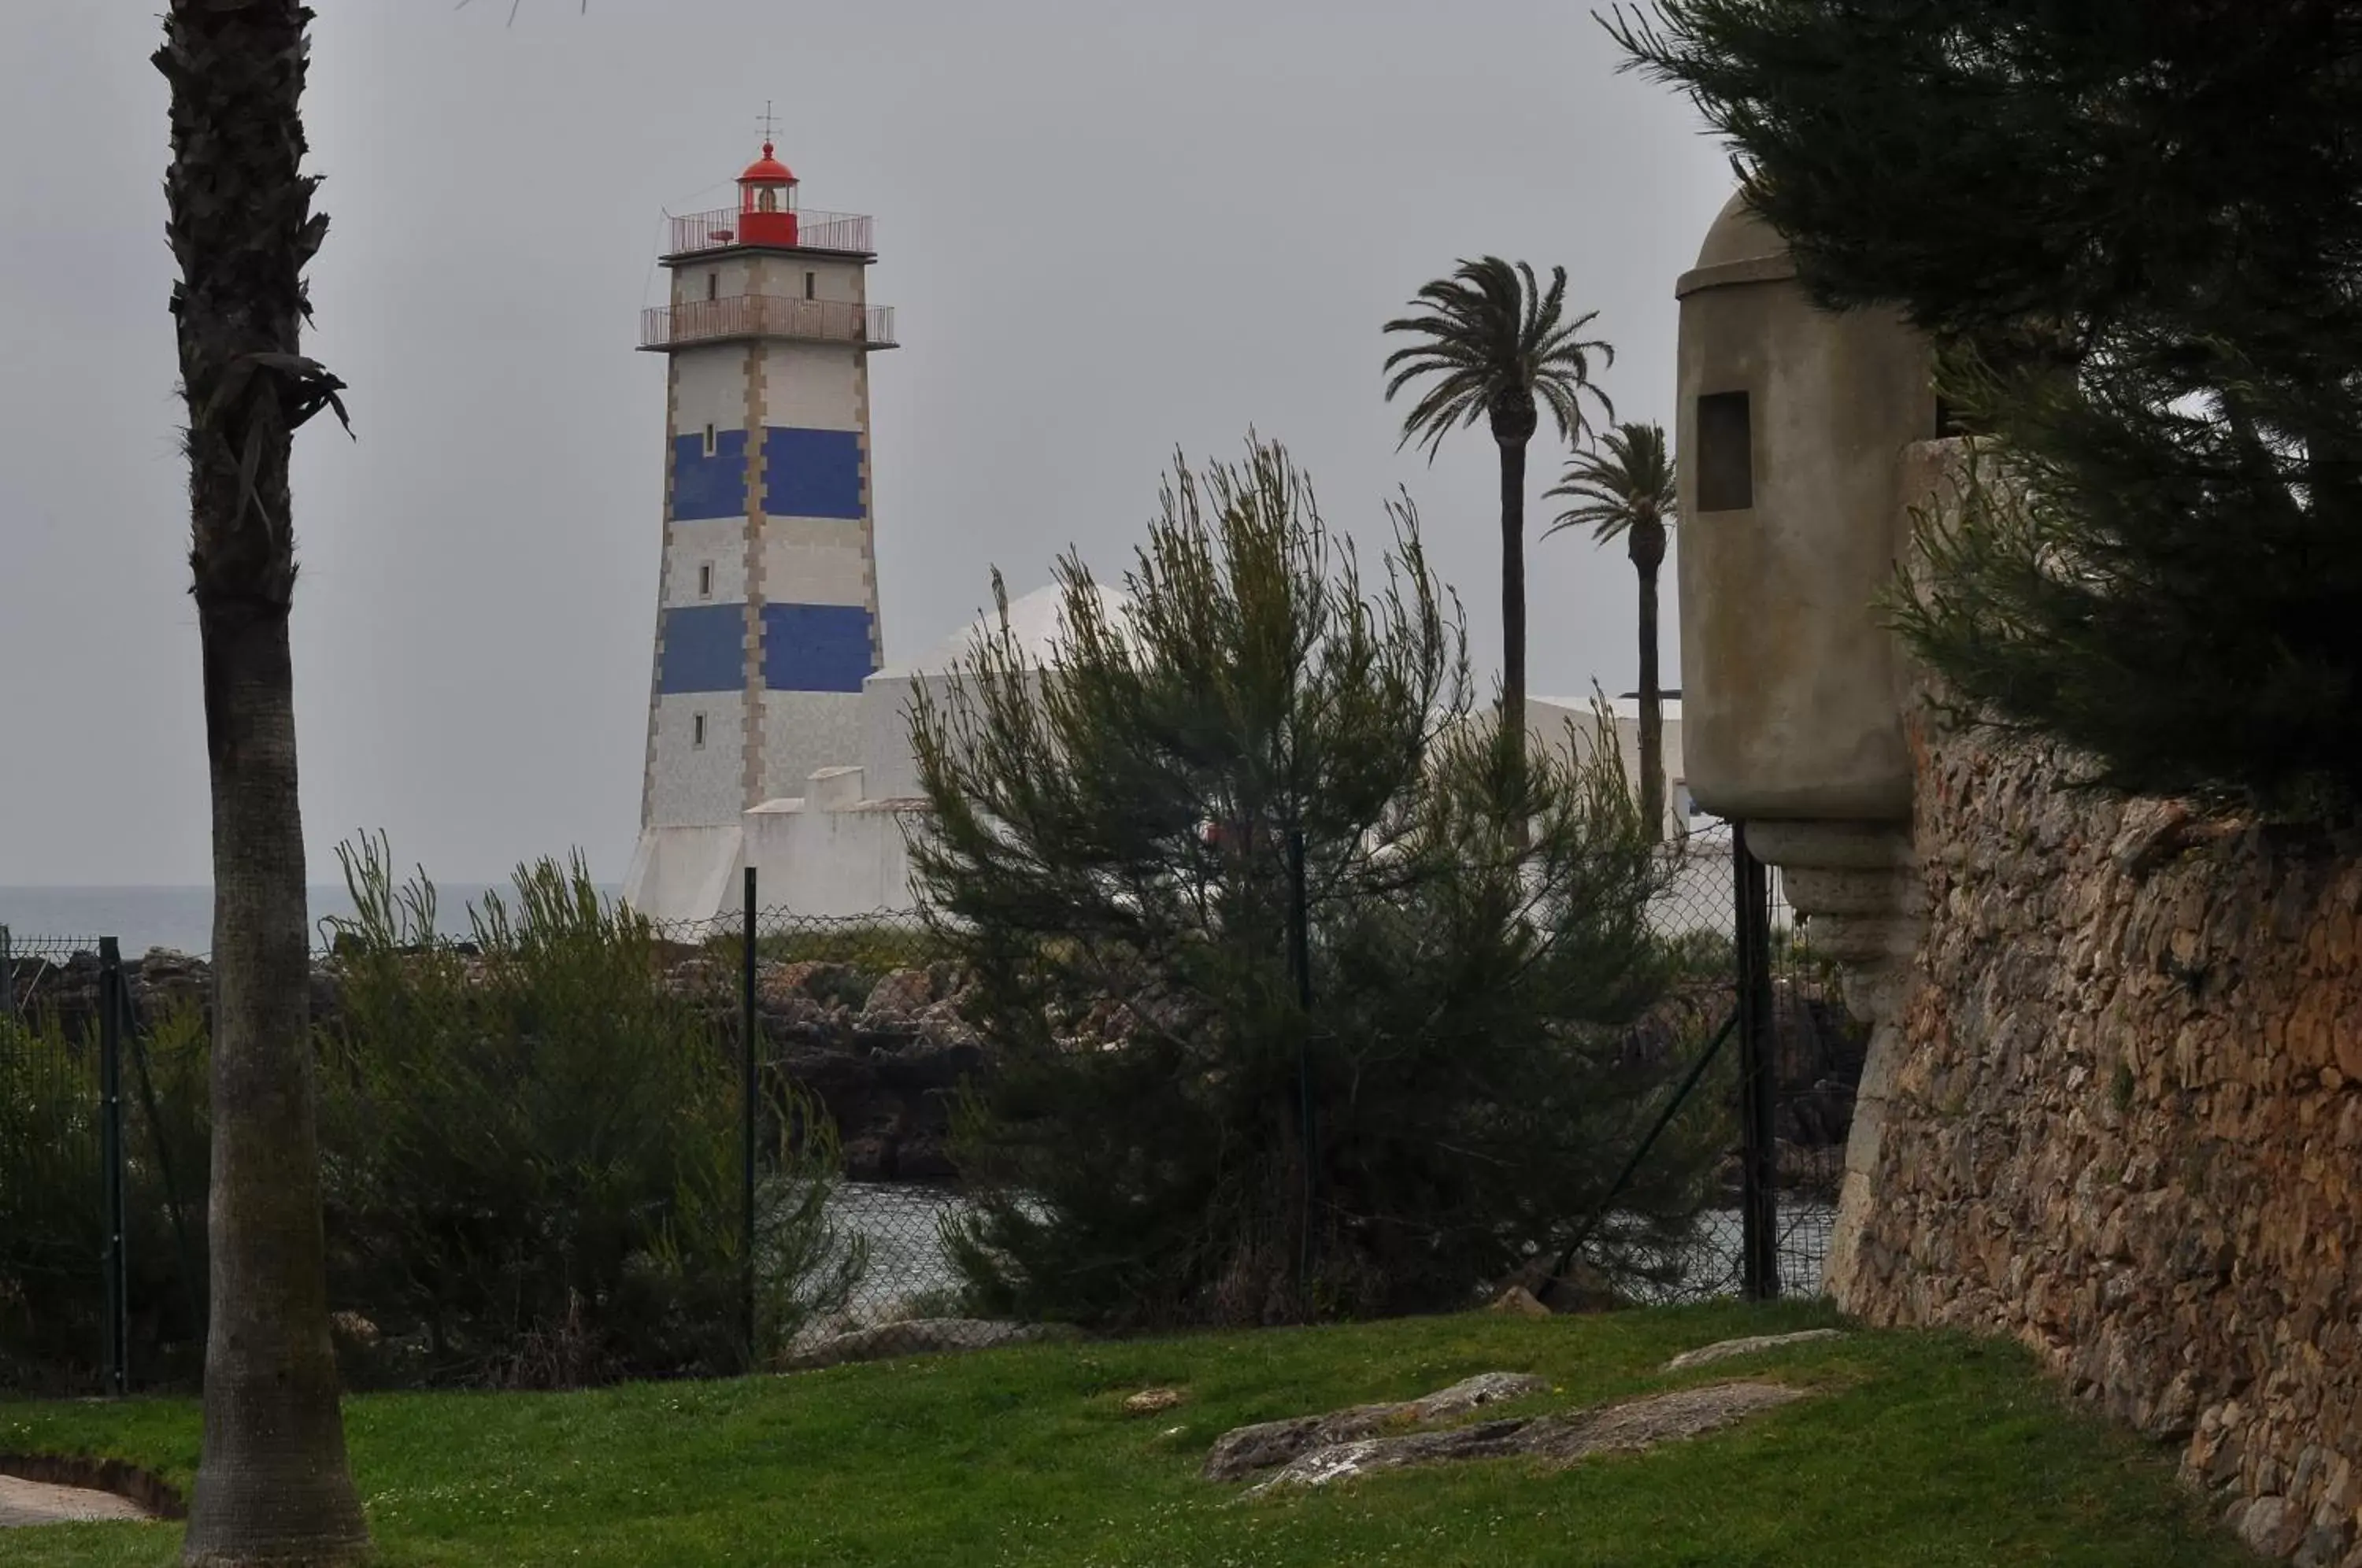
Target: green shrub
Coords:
[(1700, 955), (531, 1151), (52, 1235)]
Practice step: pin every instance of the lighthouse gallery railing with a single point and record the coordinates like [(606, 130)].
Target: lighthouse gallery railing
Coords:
[(767, 315), (718, 229)]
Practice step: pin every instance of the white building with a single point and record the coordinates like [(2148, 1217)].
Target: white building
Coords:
[(839, 846), (1555, 723)]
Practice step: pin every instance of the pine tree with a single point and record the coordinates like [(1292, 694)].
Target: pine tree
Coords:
[(1174, 1133), (2135, 229)]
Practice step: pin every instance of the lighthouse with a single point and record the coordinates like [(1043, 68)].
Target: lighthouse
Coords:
[(766, 600)]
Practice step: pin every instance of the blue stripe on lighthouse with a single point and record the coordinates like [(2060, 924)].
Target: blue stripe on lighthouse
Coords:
[(815, 648), (704, 648), (811, 473), (708, 487)]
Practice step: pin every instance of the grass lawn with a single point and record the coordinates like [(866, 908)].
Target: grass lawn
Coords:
[(1916, 1448)]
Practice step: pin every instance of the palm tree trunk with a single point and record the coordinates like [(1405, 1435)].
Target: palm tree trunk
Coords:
[(1513, 596), (272, 1483), (1652, 713)]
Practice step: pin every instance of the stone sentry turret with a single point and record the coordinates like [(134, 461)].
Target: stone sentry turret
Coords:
[(1793, 425)]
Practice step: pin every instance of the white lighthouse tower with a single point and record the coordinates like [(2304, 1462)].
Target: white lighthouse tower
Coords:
[(767, 606)]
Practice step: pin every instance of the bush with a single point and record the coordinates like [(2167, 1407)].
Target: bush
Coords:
[(531, 1150), (53, 1233), (530, 1160), (50, 1231)]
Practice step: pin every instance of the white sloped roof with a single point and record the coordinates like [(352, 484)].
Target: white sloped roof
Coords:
[(1038, 619), (1621, 707)]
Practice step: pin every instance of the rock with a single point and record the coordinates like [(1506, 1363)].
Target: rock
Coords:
[(1149, 1401), (1585, 1287), (922, 1336), (2151, 832), (1635, 1425), (2323, 1545), (1245, 1450), (1475, 1393), (1518, 1302), (352, 1328), (1242, 1450), (892, 1108), (2271, 1526), (808, 980), (1722, 1350), (695, 977), (900, 994)]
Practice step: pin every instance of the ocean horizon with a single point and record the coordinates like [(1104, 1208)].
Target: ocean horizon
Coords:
[(181, 918)]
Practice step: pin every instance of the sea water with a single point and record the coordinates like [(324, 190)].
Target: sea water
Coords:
[(182, 918)]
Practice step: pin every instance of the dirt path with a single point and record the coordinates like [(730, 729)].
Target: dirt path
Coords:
[(39, 1503)]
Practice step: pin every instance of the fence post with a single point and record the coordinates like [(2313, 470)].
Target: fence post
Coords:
[(8, 979), (1759, 1275), (114, 1362), (193, 1284), (746, 1025)]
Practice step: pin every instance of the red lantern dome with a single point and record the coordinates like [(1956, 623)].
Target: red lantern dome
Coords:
[(766, 170), (766, 203)]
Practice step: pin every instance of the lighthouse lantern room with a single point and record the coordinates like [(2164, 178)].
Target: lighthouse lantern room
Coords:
[(766, 203), (766, 598)]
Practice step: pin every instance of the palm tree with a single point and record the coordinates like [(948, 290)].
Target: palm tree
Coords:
[(1625, 486), (1493, 343), (272, 1483)]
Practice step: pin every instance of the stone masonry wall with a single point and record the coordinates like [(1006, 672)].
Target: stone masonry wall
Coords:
[(2121, 1120)]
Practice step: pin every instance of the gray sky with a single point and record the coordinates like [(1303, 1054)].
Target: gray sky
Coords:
[(1108, 226)]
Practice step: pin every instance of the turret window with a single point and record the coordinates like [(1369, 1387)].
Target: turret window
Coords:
[(812, 286), (697, 732), (713, 285), (1726, 454), (709, 440), (705, 579)]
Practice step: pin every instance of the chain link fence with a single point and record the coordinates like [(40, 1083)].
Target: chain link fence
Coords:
[(1802, 1103), (53, 1261), (96, 1218), (859, 1056), (845, 1168)]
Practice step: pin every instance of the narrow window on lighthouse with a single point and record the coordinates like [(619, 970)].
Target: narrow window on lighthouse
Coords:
[(705, 579), (709, 440), (697, 732), (812, 285), (713, 285)]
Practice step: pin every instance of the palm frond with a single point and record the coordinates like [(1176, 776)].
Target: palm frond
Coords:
[(1492, 337), (1626, 481)]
